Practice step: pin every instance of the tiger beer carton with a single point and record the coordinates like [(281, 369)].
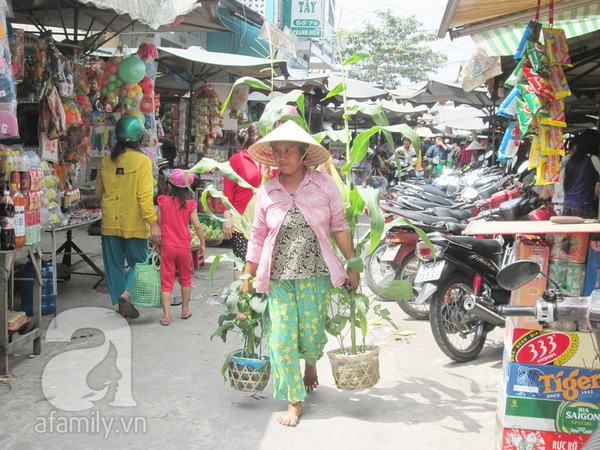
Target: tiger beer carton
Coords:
[(534, 249), (512, 438), (549, 347)]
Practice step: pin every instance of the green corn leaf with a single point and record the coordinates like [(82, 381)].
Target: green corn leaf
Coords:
[(339, 89), (371, 197), (357, 205), (213, 266), (334, 135), (362, 304), (252, 82), (272, 113), (206, 165), (357, 57), (210, 189), (402, 222)]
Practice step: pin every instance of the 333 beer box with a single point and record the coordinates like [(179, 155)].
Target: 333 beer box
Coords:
[(508, 438), (549, 347), (532, 249), (575, 417)]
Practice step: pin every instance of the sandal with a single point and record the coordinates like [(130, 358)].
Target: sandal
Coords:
[(186, 314), (165, 321), (127, 310)]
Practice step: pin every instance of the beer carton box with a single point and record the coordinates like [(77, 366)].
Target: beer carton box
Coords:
[(508, 438), (592, 276), (547, 382), (549, 347), (533, 249), (548, 415)]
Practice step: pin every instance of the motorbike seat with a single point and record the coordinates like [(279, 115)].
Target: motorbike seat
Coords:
[(488, 247), (456, 228), (414, 215), (458, 214)]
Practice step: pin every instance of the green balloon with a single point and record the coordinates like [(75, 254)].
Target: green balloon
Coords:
[(104, 90), (111, 78), (111, 86), (132, 70), (119, 82)]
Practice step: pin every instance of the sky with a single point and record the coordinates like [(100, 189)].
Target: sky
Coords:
[(352, 14)]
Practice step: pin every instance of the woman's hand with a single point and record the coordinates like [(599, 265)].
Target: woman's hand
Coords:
[(202, 249), (352, 281), (247, 284), (228, 228), (155, 235)]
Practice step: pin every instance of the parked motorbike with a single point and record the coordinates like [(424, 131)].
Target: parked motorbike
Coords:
[(458, 268)]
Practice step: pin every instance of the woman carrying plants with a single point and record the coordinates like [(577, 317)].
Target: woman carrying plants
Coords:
[(290, 254), (125, 189)]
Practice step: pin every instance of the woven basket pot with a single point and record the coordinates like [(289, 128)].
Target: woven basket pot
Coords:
[(355, 371), (249, 374)]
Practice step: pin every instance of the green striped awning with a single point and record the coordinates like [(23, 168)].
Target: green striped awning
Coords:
[(576, 22)]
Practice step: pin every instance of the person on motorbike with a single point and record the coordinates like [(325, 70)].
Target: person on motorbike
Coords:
[(407, 151), (437, 153)]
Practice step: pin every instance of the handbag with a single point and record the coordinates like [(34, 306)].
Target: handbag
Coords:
[(146, 283)]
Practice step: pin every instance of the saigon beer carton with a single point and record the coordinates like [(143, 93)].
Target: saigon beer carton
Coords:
[(508, 438), (534, 249)]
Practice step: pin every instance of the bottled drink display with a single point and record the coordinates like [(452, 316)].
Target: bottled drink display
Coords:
[(19, 202), (7, 217)]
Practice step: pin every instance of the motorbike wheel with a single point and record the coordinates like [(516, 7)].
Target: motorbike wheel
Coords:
[(408, 271), (375, 270), (459, 335)]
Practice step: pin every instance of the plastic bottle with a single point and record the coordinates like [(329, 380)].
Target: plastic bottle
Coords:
[(19, 202), (7, 219), (47, 288)]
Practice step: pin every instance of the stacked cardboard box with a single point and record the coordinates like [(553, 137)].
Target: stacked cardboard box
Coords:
[(549, 391)]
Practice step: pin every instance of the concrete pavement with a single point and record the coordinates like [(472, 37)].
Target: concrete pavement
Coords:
[(423, 401)]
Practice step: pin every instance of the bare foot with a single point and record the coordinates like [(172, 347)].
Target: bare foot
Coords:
[(311, 379), (292, 415)]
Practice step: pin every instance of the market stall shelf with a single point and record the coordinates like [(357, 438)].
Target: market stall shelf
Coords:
[(69, 248), (31, 332)]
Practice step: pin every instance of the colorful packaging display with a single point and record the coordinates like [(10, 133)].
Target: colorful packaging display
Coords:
[(556, 46), (514, 439), (574, 280), (592, 277)]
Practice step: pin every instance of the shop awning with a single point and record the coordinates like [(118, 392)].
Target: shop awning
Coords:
[(357, 90), (470, 17), (439, 91), (88, 20)]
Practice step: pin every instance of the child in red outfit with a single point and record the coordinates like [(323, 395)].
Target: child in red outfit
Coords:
[(175, 211)]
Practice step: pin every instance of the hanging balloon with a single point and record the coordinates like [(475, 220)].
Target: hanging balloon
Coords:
[(118, 82), (104, 90), (130, 93), (123, 92), (111, 95), (136, 113), (129, 101), (147, 85), (105, 81), (137, 89), (132, 69), (138, 98), (147, 105), (112, 78), (111, 86), (112, 69), (128, 86)]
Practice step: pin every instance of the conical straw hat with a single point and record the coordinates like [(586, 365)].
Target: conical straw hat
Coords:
[(262, 151)]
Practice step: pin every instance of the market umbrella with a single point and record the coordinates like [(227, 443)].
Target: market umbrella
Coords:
[(88, 27), (187, 69)]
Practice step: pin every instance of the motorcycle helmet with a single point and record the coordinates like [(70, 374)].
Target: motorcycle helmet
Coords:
[(129, 129)]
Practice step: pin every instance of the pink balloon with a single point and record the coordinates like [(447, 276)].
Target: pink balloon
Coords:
[(104, 81), (128, 86), (113, 69)]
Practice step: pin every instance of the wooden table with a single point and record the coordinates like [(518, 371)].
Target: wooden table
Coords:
[(32, 332)]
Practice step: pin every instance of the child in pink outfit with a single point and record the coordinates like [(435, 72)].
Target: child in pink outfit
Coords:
[(175, 211)]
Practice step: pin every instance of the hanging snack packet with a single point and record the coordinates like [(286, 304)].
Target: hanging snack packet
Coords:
[(517, 77), (557, 48), (534, 101), (532, 33), (510, 143), (527, 122), (551, 139), (558, 82), (539, 84), (548, 172), (508, 108), (535, 55), (553, 113), (535, 153)]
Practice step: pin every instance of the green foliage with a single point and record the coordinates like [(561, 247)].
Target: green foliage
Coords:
[(398, 49)]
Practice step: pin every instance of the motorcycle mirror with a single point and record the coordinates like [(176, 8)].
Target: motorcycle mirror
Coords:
[(469, 194), (480, 158), (447, 171), (529, 180), (488, 154), (517, 274), (523, 167)]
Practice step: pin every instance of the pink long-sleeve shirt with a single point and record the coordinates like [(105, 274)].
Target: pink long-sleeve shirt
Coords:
[(319, 200)]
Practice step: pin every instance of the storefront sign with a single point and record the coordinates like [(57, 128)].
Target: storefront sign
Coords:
[(307, 18)]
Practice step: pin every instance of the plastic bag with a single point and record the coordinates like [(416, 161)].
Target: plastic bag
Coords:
[(535, 153), (535, 55), (508, 108), (517, 76), (548, 171), (478, 68), (539, 84), (531, 33), (527, 122), (510, 143), (551, 139), (553, 113), (558, 82), (533, 100)]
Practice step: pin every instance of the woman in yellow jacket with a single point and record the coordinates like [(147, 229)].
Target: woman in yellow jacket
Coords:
[(125, 188)]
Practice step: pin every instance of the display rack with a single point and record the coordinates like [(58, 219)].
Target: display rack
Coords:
[(32, 332)]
